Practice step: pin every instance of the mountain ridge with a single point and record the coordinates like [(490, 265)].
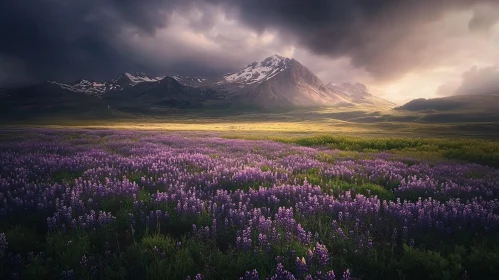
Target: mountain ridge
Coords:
[(455, 102), (275, 82)]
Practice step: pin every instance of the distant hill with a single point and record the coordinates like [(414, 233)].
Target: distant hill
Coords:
[(485, 102), (461, 108)]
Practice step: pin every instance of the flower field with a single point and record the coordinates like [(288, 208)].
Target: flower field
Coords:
[(108, 204)]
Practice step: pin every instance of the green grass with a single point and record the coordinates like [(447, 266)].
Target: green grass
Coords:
[(472, 150)]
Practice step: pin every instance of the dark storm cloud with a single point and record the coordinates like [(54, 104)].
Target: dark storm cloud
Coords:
[(376, 34), (479, 81), (475, 81), (66, 39), (483, 18)]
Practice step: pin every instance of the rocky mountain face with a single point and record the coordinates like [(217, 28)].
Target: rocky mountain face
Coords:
[(274, 82), (279, 82), (192, 81), (165, 92)]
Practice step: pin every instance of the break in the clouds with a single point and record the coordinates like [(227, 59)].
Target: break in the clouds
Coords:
[(403, 49)]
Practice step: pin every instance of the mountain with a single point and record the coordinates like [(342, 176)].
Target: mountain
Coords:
[(283, 82), (192, 81), (352, 91), (276, 82), (165, 92), (358, 93), (98, 88), (257, 72), (460, 108), (483, 102)]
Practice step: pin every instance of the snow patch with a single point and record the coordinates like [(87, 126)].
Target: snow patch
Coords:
[(140, 78), (258, 71), (99, 88)]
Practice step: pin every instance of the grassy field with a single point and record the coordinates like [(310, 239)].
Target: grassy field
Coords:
[(282, 124), (475, 142), (54, 173), (162, 204)]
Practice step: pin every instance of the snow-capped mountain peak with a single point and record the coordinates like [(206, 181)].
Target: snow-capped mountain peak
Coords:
[(138, 78), (99, 88), (258, 71), (84, 86), (276, 81)]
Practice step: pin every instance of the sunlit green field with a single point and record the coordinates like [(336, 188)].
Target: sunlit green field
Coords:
[(276, 125)]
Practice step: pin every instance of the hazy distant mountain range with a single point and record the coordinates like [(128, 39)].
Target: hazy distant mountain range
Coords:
[(275, 82)]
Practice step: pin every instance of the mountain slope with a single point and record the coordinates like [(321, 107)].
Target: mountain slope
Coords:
[(192, 81), (462, 108), (485, 102), (277, 82), (165, 92), (282, 82), (358, 93)]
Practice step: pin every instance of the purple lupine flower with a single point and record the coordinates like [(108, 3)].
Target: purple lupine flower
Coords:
[(3, 245), (282, 274), (68, 274), (346, 275), (411, 243), (301, 266), (330, 275), (250, 275), (321, 254), (84, 261), (169, 160), (310, 257), (394, 236)]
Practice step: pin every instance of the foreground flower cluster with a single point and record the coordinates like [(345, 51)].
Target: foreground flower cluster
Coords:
[(314, 213)]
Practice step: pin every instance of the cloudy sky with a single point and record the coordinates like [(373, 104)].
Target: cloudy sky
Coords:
[(401, 49)]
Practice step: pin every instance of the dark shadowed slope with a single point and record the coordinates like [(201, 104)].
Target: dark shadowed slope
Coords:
[(462, 108), (486, 102)]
